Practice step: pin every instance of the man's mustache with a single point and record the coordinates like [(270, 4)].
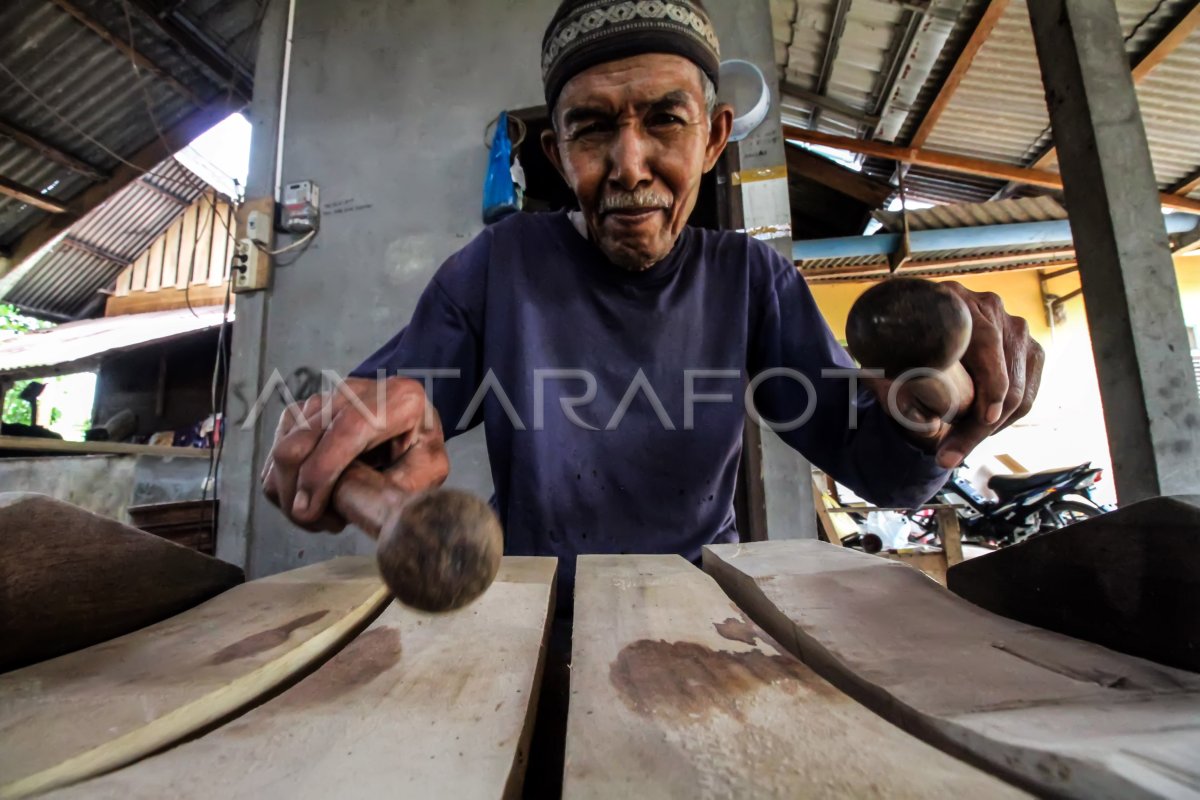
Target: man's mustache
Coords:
[(633, 201)]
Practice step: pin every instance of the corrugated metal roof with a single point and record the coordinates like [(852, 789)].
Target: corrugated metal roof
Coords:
[(77, 346), (970, 215), (62, 82), (944, 262), (65, 280), (999, 111)]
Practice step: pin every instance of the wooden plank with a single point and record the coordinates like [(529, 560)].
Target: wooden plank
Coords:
[(825, 172), (1129, 580), (987, 23), (29, 444), (92, 711), (186, 240), (675, 694), (1064, 717), (203, 247), (165, 300), (951, 536), (164, 272), (419, 705), (222, 246), (70, 578), (836, 526), (125, 278), (30, 196), (956, 163), (1011, 463), (1165, 46)]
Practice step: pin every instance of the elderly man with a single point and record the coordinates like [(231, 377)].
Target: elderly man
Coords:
[(606, 350)]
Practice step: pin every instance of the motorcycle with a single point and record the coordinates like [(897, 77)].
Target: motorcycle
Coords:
[(1025, 505)]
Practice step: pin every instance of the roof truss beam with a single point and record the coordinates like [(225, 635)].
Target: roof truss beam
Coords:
[(987, 23), (1187, 185), (143, 160), (140, 60), (30, 196), (239, 80), (955, 163), (49, 151)]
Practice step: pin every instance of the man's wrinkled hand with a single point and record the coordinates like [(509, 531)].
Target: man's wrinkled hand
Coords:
[(316, 440)]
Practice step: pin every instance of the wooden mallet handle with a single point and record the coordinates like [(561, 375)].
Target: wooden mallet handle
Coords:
[(437, 550), (904, 324)]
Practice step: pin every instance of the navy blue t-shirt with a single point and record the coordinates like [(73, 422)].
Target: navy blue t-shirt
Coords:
[(587, 373)]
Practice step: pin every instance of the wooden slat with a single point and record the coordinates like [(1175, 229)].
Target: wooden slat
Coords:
[(83, 714), (675, 694), (419, 705), (30, 196), (956, 163), (222, 247), (1165, 46), (125, 278), (195, 236), (145, 265), (987, 23), (1064, 717), (208, 221), (165, 274), (186, 239)]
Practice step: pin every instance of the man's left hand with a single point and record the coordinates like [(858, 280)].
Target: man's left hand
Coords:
[(1005, 365)]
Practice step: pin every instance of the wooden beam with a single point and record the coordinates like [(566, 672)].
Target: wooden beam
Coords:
[(825, 172), (232, 74), (30, 196), (983, 29), (173, 140), (1188, 185), (1146, 64), (49, 151), (967, 165), (104, 255), (130, 52), (1059, 716), (166, 193)]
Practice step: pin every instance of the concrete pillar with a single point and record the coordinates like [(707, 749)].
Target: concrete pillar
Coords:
[(1137, 329), (745, 32), (237, 479)]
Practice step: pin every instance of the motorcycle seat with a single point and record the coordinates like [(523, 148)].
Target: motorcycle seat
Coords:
[(1006, 486)]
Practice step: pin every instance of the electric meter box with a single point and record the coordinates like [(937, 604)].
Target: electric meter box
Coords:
[(301, 208)]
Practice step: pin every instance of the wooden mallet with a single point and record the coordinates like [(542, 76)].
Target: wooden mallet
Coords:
[(438, 549), (905, 324)]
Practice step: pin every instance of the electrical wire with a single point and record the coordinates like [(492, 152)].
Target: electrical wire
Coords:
[(301, 242)]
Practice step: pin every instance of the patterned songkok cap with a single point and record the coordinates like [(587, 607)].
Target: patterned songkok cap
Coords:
[(585, 33)]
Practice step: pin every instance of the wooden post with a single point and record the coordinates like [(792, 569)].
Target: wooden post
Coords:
[(947, 520), (1138, 335)]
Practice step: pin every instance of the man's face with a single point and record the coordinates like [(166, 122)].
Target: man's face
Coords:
[(632, 140)]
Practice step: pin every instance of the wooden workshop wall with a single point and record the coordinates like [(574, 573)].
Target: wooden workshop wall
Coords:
[(188, 263)]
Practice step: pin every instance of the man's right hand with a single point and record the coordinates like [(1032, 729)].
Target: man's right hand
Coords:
[(317, 439)]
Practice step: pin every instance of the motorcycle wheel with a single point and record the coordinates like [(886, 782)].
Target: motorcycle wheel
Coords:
[(1068, 512)]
